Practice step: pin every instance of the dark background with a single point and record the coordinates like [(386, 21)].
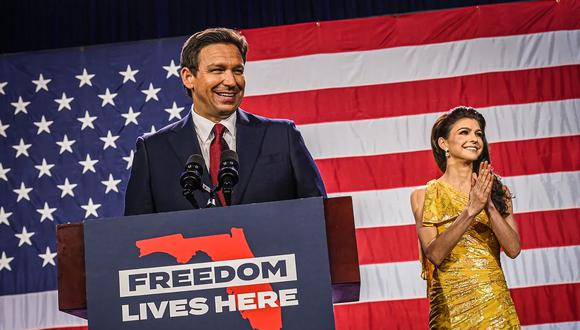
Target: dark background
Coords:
[(27, 25)]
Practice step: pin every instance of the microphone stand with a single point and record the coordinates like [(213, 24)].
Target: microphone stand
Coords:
[(211, 202), (188, 194)]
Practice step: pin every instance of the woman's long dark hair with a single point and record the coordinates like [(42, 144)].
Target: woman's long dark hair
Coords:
[(442, 127)]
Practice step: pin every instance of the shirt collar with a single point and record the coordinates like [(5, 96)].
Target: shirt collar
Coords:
[(204, 126)]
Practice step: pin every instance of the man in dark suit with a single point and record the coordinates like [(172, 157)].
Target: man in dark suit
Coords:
[(274, 163)]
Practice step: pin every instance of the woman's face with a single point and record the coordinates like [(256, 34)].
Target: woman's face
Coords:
[(465, 141)]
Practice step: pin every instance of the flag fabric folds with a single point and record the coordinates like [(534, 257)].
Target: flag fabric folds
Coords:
[(364, 93)]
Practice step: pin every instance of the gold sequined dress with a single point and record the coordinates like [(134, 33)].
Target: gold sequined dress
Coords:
[(468, 290)]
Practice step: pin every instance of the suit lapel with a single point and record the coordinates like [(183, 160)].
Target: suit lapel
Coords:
[(249, 138), (184, 143)]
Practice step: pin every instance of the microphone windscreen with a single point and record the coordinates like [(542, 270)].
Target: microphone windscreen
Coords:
[(229, 155), (196, 159)]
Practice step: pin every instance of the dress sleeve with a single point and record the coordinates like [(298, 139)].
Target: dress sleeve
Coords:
[(441, 205), (430, 212)]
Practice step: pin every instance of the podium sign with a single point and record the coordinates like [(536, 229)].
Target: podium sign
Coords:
[(258, 266)]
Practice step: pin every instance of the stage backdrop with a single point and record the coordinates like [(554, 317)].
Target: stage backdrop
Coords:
[(364, 94)]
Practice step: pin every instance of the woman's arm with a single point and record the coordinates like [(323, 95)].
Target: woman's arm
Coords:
[(436, 248), (505, 229)]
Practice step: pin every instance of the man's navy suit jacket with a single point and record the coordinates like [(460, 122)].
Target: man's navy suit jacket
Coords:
[(274, 165)]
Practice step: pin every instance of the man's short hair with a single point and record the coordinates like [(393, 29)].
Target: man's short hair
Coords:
[(194, 44)]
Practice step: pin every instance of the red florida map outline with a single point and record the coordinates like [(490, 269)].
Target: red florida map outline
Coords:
[(221, 247)]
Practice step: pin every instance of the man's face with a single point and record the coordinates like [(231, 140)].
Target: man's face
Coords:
[(218, 86)]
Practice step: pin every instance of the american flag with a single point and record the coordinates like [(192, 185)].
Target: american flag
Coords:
[(364, 94)]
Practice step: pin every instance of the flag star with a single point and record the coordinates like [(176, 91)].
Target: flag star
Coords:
[(67, 188), (111, 184), (171, 70), (128, 74), (22, 192), (20, 106), (4, 216), (129, 159), (44, 168), (47, 257), (64, 102), (151, 93), (41, 83), (3, 172), (85, 78), (5, 261), (153, 129), (91, 208), (3, 129), (108, 98), (24, 237), (46, 212), (87, 121), (22, 148), (174, 111), (109, 140), (2, 85), (131, 117), (88, 164), (43, 125), (65, 144)]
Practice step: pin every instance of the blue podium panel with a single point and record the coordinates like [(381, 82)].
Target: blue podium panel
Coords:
[(258, 266)]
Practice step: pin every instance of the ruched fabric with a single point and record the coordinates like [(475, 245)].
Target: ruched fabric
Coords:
[(468, 290)]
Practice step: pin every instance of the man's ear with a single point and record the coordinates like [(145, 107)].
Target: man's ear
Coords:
[(187, 78)]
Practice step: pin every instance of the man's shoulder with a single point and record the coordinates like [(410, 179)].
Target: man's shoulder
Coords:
[(163, 132), (261, 120)]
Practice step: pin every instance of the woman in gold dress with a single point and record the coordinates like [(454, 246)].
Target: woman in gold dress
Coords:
[(463, 219)]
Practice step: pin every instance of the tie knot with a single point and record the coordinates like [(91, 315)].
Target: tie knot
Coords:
[(219, 129)]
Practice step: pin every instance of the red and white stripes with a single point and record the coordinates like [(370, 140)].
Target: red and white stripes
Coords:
[(365, 94)]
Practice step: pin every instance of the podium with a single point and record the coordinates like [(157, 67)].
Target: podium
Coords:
[(276, 265)]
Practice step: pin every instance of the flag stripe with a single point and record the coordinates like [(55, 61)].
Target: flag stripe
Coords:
[(548, 304), (538, 192), (393, 314), (534, 267), (458, 58), (537, 230), (414, 29), (535, 305), (387, 244), (549, 228), (389, 171), (554, 326), (412, 133), (17, 309), (544, 266), (436, 95)]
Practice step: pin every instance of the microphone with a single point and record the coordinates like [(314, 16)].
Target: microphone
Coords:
[(228, 174), (190, 179)]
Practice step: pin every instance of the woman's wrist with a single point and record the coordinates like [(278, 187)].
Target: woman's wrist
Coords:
[(490, 207), (471, 212)]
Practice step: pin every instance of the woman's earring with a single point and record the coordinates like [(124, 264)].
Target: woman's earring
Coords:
[(447, 153)]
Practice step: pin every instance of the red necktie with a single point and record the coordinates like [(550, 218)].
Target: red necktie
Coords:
[(215, 150)]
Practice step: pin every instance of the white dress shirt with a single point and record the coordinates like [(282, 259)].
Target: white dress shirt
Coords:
[(204, 127)]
